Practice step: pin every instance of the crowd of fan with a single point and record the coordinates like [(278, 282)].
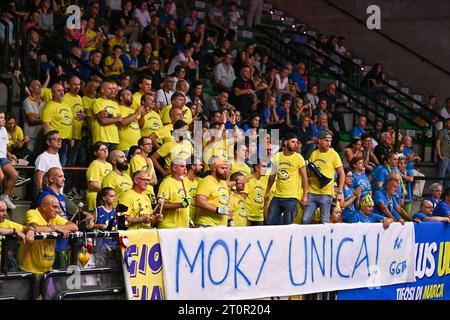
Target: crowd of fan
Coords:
[(134, 115)]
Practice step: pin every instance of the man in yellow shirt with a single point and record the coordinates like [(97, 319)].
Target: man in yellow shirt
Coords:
[(150, 121), (145, 86), (113, 66), (143, 162), (212, 196), (75, 103), (118, 178), (237, 200), (140, 213), (106, 116), (8, 227), (256, 188), (57, 115), (129, 131), (328, 162), (89, 99), (38, 257), (176, 198), (290, 173), (191, 184), (179, 148)]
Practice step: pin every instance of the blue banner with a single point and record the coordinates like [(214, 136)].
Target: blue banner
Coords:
[(432, 269)]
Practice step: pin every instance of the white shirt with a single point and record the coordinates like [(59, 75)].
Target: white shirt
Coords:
[(144, 17), (163, 96), (3, 142), (31, 106), (281, 85), (227, 76), (45, 161)]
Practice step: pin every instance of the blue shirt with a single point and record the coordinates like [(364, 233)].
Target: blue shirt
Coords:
[(390, 203), (442, 209), (419, 215), (299, 80), (357, 132), (361, 180), (315, 129), (410, 164), (382, 174), (128, 61), (358, 216), (347, 212), (433, 200), (103, 216), (409, 197)]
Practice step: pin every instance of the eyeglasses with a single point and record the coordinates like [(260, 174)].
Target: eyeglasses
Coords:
[(55, 139), (146, 180)]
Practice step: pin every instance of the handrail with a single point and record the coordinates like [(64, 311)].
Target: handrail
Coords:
[(422, 58), (338, 77), (90, 293)]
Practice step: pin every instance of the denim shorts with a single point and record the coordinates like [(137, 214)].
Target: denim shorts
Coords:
[(4, 162)]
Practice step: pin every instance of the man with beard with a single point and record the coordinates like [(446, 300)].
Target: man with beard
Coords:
[(212, 196), (328, 162), (191, 183), (118, 179), (129, 131), (290, 172)]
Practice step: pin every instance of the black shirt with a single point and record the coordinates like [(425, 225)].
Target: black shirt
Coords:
[(243, 102)]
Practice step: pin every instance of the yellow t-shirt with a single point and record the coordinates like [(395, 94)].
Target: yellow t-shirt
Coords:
[(328, 162), (110, 132), (238, 208), (138, 204), (288, 178), (256, 190), (174, 193), (87, 105), (120, 183), (90, 35), (164, 134), (39, 256), (191, 187), (164, 114), (130, 134), (138, 163), (240, 167), (76, 105), (136, 100), (152, 124), (217, 194), (109, 61), (46, 95), (18, 133), (96, 172), (8, 224), (172, 150), (60, 117), (114, 41)]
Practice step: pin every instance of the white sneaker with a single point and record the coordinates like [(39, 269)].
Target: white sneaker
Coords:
[(21, 181), (8, 201)]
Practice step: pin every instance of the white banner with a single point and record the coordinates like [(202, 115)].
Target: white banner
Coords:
[(255, 262)]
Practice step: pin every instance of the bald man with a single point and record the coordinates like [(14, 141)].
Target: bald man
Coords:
[(426, 213), (38, 257)]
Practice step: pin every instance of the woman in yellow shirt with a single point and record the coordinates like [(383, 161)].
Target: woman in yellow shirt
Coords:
[(96, 171)]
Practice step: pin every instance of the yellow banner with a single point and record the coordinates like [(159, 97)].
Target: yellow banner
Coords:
[(142, 264)]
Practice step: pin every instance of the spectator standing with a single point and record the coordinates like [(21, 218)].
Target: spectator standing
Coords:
[(95, 173), (244, 91), (255, 13), (328, 162), (118, 179), (443, 152), (32, 107), (48, 159)]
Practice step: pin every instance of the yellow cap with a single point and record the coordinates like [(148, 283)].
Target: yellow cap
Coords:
[(366, 201)]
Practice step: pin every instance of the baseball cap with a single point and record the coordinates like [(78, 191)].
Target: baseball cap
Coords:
[(325, 134), (366, 201)]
